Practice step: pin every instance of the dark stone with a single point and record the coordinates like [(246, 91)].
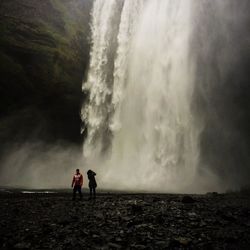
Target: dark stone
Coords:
[(111, 224), (136, 208), (22, 245), (114, 246), (187, 199)]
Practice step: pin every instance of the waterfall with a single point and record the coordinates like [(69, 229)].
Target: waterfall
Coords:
[(141, 134), (105, 22)]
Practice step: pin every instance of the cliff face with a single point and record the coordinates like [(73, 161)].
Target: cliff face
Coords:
[(44, 52)]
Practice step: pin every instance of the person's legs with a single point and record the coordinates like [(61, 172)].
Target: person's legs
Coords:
[(94, 192), (80, 191), (90, 192), (74, 192)]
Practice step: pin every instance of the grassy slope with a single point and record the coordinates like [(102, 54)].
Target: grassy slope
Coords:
[(43, 54)]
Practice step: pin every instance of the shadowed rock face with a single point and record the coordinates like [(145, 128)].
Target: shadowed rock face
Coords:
[(44, 53), (221, 97)]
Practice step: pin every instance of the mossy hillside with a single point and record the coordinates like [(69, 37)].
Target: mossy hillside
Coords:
[(43, 55)]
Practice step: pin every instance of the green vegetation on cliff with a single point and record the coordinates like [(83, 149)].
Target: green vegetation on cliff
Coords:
[(44, 52)]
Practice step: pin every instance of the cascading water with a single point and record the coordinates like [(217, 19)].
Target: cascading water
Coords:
[(105, 22), (142, 112)]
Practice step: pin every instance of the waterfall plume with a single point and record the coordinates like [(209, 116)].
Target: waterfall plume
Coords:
[(144, 118)]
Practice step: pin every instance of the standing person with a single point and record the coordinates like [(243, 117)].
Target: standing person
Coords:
[(92, 183), (77, 184)]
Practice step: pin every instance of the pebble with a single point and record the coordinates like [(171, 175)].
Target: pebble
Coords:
[(126, 222)]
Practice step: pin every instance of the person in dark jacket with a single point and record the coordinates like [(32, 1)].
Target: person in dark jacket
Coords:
[(92, 184)]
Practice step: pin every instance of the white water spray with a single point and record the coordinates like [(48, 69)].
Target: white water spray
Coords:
[(141, 131)]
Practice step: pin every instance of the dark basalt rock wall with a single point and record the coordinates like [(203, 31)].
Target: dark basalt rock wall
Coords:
[(44, 52), (221, 96)]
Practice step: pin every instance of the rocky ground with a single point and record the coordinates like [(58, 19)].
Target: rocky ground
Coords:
[(124, 221)]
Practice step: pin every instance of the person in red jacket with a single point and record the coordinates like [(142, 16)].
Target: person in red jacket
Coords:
[(77, 184)]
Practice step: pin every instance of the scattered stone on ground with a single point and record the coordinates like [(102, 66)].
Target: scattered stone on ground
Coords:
[(125, 221)]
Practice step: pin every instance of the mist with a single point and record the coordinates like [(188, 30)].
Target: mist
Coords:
[(174, 115), (38, 165), (220, 46), (166, 104)]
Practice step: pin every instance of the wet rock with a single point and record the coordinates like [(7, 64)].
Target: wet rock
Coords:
[(187, 199), (22, 245), (161, 243), (64, 222), (156, 199), (126, 218), (203, 224), (138, 246), (136, 208), (114, 246), (184, 241), (180, 242), (173, 243), (159, 219), (159, 225), (212, 193), (99, 216), (133, 223)]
